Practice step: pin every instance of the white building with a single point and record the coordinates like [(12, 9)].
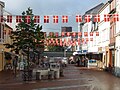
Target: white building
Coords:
[(91, 46), (104, 35), (13, 24), (2, 24), (117, 42)]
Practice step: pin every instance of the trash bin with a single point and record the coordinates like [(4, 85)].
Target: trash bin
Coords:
[(38, 77), (51, 74)]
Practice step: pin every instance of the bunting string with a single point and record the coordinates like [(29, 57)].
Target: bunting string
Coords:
[(64, 18)]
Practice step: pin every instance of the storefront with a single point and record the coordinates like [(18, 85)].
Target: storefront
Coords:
[(111, 57)]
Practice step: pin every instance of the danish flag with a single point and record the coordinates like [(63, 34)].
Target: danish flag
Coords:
[(52, 40), (74, 34), (69, 42), (79, 34), (97, 33), (56, 40), (87, 39), (97, 18), (78, 18), (91, 39), (49, 41), (68, 34), (27, 19), (55, 19), (87, 18), (61, 42), (115, 17), (46, 19), (51, 34), (65, 42), (106, 17), (91, 33), (36, 19), (18, 19), (74, 42), (1, 19), (85, 34), (62, 34), (56, 34), (9, 18), (65, 19), (82, 39)]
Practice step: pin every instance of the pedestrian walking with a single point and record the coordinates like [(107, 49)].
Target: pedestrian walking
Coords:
[(78, 62)]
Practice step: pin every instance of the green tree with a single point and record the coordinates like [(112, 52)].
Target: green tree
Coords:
[(27, 36)]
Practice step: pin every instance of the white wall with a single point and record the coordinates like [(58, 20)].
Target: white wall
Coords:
[(86, 28), (117, 43)]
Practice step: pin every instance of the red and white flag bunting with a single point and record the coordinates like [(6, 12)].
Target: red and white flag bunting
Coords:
[(74, 34), (106, 17), (87, 18), (46, 19), (85, 34), (9, 18), (83, 40), (91, 39), (62, 34), (27, 19), (68, 34), (55, 19), (78, 18), (97, 18), (91, 33), (67, 42), (97, 33), (115, 17), (65, 19), (79, 34), (61, 42), (56, 34), (18, 19), (51, 34), (37, 19)]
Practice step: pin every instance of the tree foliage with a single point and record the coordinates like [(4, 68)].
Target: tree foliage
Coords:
[(28, 36)]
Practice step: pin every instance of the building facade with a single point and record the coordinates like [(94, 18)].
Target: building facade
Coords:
[(103, 43), (117, 41), (2, 5)]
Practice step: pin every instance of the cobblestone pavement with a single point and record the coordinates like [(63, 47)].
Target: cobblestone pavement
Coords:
[(75, 78)]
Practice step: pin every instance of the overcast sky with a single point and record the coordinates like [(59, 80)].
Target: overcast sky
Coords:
[(52, 7)]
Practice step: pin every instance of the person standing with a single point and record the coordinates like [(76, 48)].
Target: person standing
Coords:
[(15, 61), (78, 62)]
